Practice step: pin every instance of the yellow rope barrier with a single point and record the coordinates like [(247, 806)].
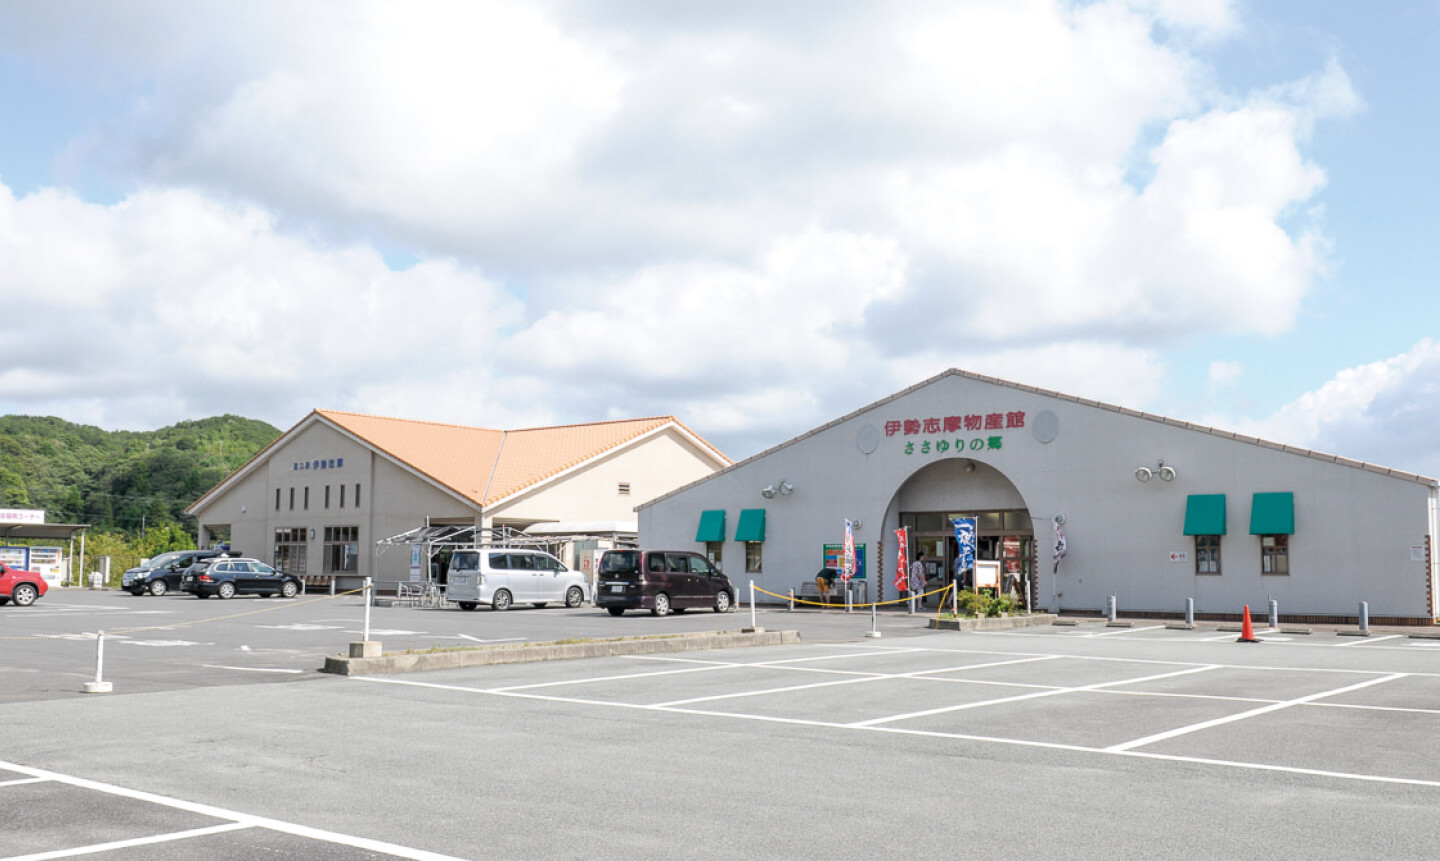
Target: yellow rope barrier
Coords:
[(920, 597)]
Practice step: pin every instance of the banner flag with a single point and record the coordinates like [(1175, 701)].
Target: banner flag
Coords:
[(902, 559), (849, 570), (965, 539), (1061, 548)]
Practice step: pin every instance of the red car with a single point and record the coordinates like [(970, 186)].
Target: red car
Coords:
[(22, 587)]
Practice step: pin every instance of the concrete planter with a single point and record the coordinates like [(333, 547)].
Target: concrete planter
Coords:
[(486, 655), (985, 623)]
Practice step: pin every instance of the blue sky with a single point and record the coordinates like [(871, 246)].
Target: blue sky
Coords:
[(754, 216)]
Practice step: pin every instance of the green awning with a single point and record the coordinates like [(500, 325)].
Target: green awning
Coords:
[(712, 526), (1272, 514), (1205, 514), (752, 525)]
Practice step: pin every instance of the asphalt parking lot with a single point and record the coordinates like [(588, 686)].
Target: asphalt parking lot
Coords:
[(1074, 742)]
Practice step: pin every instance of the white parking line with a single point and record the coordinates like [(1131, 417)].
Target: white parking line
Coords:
[(236, 819), (1120, 631), (1030, 696), (126, 844), (250, 669), (1196, 727), (22, 780), (1366, 641)]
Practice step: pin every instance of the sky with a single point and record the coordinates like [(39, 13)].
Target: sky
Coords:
[(754, 216)]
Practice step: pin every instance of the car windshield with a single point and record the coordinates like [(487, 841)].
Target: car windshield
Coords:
[(620, 563), (165, 559)]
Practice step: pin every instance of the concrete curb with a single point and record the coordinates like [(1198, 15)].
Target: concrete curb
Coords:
[(999, 623), (486, 655)]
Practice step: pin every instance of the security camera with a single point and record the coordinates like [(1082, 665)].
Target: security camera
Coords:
[(1143, 474), (1167, 473), (768, 492)]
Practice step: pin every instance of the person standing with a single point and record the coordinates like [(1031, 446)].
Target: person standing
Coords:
[(917, 577)]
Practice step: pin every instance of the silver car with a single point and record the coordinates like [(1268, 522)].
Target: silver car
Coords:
[(502, 577)]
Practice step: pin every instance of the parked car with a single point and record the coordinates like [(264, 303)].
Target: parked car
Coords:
[(163, 573), (660, 581), (230, 577), (502, 577), (22, 587)]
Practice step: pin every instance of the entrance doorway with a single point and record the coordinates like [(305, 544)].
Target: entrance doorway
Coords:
[(1007, 537)]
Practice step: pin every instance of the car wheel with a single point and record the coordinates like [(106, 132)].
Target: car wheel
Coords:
[(573, 596), (157, 588), (616, 611), (226, 590), (722, 602), (289, 589), (467, 605), (501, 601), (662, 605), (24, 594)]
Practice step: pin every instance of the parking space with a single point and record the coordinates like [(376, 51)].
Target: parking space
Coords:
[(1358, 722)]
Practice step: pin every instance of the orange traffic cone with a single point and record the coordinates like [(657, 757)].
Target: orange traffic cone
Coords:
[(1247, 631)]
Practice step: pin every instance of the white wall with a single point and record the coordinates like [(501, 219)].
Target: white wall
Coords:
[(652, 466)]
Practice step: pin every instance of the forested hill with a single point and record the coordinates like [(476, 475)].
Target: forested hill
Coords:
[(119, 480)]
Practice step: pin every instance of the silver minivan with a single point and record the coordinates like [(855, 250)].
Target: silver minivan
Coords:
[(501, 577)]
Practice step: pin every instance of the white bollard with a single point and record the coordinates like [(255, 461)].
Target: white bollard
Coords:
[(99, 686), (368, 602), (754, 628), (874, 628)]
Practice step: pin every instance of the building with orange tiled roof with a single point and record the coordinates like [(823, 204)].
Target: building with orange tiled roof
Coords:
[(318, 499)]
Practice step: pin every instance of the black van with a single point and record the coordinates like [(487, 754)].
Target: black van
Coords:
[(660, 581)]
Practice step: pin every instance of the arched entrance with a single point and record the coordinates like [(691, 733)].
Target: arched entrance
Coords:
[(933, 497)]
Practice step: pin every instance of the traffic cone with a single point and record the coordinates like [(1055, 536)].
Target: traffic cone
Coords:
[(1247, 631)]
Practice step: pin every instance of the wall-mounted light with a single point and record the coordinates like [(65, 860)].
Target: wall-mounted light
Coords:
[(312, 534), (779, 488), (856, 523), (1166, 473), (969, 466)]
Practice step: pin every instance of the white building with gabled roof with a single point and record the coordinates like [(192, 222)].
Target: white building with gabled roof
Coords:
[(1154, 510), (317, 500)]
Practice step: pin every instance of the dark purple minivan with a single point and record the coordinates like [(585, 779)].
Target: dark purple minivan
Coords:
[(660, 581)]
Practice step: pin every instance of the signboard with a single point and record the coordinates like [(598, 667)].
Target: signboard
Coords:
[(835, 558), (987, 574), (965, 540), (1179, 556), (1417, 552), (414, 563), (21, 515)]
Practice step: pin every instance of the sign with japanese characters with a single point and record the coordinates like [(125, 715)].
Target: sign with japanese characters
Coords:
[(968, 432)]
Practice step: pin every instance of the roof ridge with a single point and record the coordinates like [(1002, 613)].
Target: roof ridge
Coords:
[(659, 418), (597, 424)]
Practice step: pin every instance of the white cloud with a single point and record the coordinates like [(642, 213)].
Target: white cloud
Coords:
[(706, 210), (1383, 412), (169, 305)]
